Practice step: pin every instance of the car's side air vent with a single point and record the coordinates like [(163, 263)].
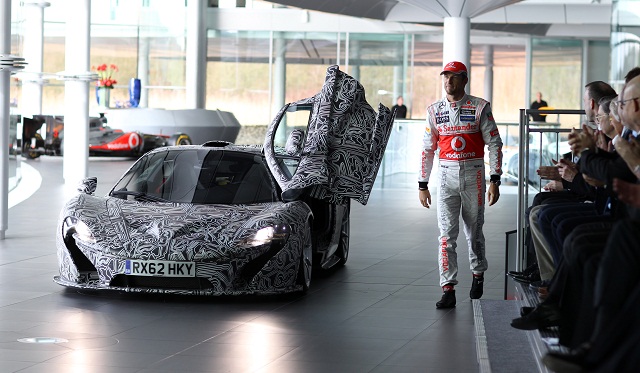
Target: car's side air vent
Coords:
[(216, 144)]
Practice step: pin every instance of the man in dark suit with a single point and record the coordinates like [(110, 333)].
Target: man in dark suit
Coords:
[(535, 105), (400, 108)]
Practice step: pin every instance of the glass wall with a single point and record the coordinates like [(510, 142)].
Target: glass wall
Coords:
[(237, 73), (425, 71), (307, 56), (378, 61), (557, 73), (625, 40), (144, 39), (252, 73), (508, 79)]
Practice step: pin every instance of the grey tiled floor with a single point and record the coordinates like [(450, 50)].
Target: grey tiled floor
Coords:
[(377, 314)]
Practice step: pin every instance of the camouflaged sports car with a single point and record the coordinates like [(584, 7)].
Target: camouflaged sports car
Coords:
[(219, 218)]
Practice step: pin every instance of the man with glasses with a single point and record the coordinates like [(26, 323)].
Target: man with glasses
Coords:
[(606, 128), (629, 109), (622, 103)]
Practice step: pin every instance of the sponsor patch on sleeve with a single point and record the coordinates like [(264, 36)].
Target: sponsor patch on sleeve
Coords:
[(490, 116), (494, 132)]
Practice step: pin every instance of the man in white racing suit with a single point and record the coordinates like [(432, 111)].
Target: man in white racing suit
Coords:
[(460, 125)]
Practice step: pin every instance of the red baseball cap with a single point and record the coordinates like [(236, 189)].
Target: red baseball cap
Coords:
[(455, 67)]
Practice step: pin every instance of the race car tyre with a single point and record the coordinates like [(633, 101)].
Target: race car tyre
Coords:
[(179, 139), (31, 153)]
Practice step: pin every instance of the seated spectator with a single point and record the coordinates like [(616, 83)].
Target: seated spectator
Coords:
[(547, 251), (592, 287), (613, 345)]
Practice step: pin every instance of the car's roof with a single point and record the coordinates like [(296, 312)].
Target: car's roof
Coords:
[(216, 146)]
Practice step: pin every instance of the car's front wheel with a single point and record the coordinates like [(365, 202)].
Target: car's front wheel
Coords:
[(306, 261)]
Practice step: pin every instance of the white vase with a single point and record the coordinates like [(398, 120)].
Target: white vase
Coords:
[(104, 97)]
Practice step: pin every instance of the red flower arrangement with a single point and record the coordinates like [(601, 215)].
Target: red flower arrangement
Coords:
[(105, 74)]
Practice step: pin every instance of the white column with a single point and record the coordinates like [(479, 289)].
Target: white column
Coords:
[(5, 76), (143, 70), (405, 69), (584, 65), (528, 68), (31, 99), (455, 43), (196, 57), (76, 92), (398, 75), (354, 59), (488, 73), (279, 77)]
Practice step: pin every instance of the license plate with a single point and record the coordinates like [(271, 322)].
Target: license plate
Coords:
[(160, 268)]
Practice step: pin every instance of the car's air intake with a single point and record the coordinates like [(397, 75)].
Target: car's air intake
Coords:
[(216, 144)]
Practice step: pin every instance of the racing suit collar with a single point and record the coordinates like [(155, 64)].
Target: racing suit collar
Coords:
[(458, 103)]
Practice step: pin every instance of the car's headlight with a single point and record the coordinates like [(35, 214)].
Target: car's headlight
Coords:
[(273, 234), (81, 229)]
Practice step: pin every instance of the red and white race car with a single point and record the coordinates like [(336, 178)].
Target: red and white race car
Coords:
[(103, 140)]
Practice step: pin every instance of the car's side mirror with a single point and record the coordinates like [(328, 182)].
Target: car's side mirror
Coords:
[(294, 143), (88, 185)]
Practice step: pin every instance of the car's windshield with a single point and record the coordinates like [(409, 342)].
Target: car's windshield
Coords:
[(201, 176)]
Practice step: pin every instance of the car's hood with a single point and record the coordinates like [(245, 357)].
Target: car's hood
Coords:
[(169, 231)]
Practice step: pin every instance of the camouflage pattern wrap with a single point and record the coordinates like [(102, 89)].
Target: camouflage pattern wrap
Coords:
[(344, 147), (211, 236)]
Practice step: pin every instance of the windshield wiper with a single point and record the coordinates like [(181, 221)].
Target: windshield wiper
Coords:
[(139, 195)]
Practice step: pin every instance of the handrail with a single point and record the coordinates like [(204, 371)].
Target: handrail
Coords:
[(523, 167)]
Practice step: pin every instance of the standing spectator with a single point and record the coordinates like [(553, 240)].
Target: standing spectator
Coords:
[(401, 110), (460, 125), (537, 104)]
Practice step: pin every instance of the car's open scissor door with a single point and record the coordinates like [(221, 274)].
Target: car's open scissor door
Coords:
[(340, 140)]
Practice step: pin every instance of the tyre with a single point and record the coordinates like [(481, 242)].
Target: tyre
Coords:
[(343, 245), (33, 153), (179, 139), (306, 262)]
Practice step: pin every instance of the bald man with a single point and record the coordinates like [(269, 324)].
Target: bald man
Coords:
[(629, 111), (629, 104)]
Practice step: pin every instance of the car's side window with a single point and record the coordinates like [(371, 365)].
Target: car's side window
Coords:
[(290, 136), (255, 187)]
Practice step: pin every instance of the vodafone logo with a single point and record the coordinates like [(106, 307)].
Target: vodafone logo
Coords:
[(458, 143), (134, 140)]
